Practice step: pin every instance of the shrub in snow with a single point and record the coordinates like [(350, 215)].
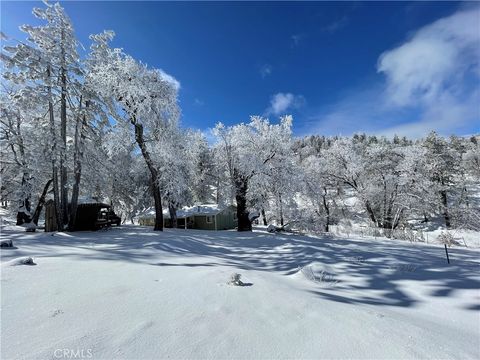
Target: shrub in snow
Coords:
[(253, 215), (6, 243), (408, 234), (447, 238), (235, 280), (26, 260), (271, 228), (323, 276), (30, 227)]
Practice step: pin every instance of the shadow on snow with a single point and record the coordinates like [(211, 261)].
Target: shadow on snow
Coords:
[(371, 262)]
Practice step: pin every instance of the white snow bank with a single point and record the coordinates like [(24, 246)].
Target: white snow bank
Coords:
[(122, 299), (468, 238), (24, 260), (6, 243)]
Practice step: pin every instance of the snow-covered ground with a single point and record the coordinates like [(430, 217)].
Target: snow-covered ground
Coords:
[(131, 293)]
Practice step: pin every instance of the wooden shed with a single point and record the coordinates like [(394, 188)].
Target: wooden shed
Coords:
[(50, 217), (90, 216)]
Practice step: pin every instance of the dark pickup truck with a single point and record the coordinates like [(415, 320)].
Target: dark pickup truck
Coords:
[(107, 218), (113, 218)]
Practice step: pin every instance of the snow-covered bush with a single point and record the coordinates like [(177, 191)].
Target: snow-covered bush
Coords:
[(322, 276), (235, 280), (271, 228), (30, 227), (409, 235), (24, 260), (447, 238)]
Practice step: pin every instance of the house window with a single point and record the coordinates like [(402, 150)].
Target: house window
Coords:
[(235, 215), (209, 219)]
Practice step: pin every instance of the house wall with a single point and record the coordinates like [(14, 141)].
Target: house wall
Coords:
[(147, 221), (225, 220), (201, 223)]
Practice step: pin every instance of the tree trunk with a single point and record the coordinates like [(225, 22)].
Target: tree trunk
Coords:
[(77, 166), (41, 202), (63, 137), (173, 215), (370, 212), (217, 192), (280, 205), (56, 197), (264, 217), (425, 218), (387, 221), (23, 214), (327, 209), (397, 218), (56, 200), (446, 215), (241, 186), (153, 172)]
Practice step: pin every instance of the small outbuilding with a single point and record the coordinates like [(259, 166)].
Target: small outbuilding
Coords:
[(91, 215), (203, 217)]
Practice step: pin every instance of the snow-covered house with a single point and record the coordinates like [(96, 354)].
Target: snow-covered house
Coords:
[(205, 217)]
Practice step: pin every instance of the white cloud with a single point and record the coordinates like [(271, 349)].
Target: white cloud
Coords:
[(266, 70), (431, 82), (336, 25), (296, 38), (433, 60), (198, 102), (169, 78), (453, 116), (281, 102)]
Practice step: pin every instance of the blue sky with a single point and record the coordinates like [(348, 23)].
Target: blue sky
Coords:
[(337, 67)]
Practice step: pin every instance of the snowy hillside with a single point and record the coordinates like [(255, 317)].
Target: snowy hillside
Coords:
[(131, 293)]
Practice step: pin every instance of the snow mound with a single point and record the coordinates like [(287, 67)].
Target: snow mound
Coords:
[(7, 243), (13, 228), (24, 260), (30, 227), (271, 228)]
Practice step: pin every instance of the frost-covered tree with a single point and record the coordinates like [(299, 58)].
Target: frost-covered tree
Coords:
[(47, 66), (23, 152), (244, 151), (441, 167), (320, 190), (144, 98), (203, 169), (276, 185)]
